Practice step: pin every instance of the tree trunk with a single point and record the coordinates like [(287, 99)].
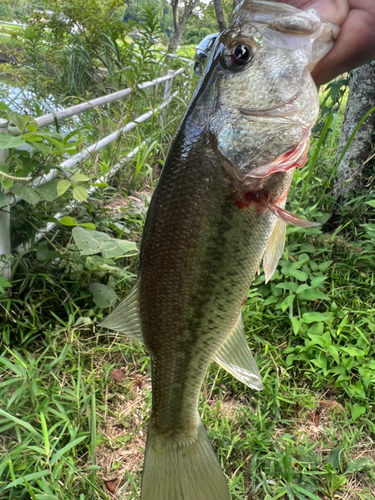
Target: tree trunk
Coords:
[(179, 25), (220, 15), (350, 173)]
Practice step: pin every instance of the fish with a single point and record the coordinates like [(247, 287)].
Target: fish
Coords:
[(217, 213)]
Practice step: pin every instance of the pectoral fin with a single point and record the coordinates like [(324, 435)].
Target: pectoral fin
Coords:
[(274, 249), (289, 218), (235, 356), (125, 317)]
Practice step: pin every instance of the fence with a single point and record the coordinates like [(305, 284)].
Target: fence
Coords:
[(65, 166)]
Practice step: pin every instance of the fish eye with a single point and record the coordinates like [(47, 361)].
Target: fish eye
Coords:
[(238, 54)]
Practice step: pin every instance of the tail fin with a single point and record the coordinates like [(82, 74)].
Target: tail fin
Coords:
[(182, 467)]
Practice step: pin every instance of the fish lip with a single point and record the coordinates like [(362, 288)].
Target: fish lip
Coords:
[(274, 111)]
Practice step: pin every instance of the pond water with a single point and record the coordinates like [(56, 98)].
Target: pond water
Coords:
[(25, 100)]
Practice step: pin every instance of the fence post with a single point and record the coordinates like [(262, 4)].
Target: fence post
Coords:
[(190, 78), (5, 267), (168, 90)]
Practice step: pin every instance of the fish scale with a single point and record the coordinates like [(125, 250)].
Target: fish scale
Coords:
[(218, 209)]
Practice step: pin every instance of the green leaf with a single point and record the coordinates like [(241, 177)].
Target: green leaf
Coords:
[(19, 121), (4, 167), (334, 457), (80, 193), (8, 141), (3, 200), (59, 147), (318, 281), (312, 317), (48, 191), (337, 482), (45, 432), (313, 294), (40, 146), (32, 494), (78, 177), (289, 285), (45, 252), (20, 422), (295, 325), (306, 492), (286, 303), (358, 465), (116, 248), (325, 265), (6, 183), (63, 186), (26, 193), (28, 477), (103, 296), (371, 203), (68, 221), (299, 275), (322, 340), (334, 353), (353, 351), (302, 288), (66, 448), (88, 242), (270, 300), (93, 242), (89, 225), (4, 284), (357, 389)]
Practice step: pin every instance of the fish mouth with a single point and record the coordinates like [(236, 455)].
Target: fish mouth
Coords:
[(277, 111)]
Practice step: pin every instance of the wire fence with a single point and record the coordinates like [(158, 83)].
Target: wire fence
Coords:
[(66, 166)]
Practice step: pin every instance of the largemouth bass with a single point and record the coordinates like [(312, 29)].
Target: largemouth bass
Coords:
[(217, 211)]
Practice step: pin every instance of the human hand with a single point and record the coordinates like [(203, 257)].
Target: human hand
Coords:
[(355, 44)]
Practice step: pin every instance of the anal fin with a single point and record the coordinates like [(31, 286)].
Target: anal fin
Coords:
[(125, 317), (234, 355)]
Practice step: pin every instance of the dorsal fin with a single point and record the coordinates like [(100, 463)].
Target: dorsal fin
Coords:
[(274, 249), (234, 355), (125, 317)]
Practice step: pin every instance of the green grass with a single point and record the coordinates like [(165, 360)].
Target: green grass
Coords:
[(186, 51)]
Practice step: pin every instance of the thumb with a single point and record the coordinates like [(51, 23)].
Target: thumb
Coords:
[(335, 11)]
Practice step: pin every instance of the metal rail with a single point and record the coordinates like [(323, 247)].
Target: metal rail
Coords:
[(66, 165), (94, 148), (25, 247), (45, 120)]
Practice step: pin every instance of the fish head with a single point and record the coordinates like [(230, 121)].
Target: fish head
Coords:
[(257, 87)]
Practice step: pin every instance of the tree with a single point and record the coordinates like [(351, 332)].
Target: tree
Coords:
[(179, 22), (220, 15), (351, 172)]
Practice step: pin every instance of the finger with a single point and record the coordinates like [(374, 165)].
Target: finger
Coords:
[(354, 46), (335, 11)]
